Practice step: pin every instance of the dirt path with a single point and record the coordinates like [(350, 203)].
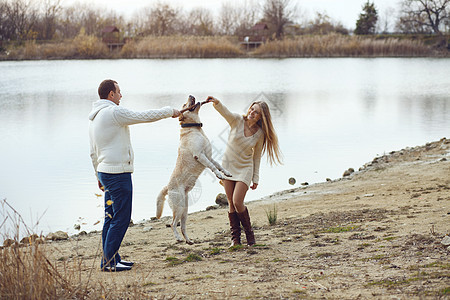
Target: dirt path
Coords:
[(375, 234)]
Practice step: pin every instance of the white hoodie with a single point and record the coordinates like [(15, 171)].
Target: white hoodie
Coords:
[(109, 135)]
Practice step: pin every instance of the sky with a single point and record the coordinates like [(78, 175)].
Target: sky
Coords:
[(344, 11)]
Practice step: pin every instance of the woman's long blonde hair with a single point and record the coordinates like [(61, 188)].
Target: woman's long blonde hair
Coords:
[(270, 143)]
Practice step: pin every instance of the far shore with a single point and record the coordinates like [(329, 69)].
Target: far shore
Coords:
[(177, 47)]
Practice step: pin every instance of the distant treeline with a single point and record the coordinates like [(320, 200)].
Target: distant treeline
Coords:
[(36, 29)]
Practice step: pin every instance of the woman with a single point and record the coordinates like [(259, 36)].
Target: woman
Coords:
[(251, 136)]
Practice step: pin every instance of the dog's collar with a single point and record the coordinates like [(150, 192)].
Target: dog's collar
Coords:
[(191, 125)]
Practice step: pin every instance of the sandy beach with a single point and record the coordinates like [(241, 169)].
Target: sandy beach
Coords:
[(376, 234)]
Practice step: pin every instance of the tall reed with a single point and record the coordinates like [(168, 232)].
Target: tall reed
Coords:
[(182, 47), (332, 45), (28, 270), (335, 45), (88, 46), (83, 46)]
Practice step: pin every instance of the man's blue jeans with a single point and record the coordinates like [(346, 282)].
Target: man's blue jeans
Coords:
[(118, 198)]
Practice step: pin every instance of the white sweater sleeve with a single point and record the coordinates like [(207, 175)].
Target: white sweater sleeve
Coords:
[(93, 150), (124, 116), (228, 116), (94, 158), (257, 152)]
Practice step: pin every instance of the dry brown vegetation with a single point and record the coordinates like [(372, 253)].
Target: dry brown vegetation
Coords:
[(182, 46), (82, 47), (332, 45), (34, 268), (335, 45)]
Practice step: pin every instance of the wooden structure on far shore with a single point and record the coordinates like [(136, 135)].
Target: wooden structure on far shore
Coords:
[(258, 36), (111, 37)]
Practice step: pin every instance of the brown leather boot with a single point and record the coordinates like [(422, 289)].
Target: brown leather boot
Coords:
[(235, 226), (244, 217)]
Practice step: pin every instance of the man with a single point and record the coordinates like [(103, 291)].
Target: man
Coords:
[(112, 157)]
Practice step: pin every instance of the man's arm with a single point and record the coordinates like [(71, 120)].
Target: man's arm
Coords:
[(124, 116)]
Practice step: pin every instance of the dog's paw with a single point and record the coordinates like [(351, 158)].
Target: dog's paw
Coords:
[(226, 173), (189, 242)]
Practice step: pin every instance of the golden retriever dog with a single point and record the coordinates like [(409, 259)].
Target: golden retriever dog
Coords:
[(194, 155)]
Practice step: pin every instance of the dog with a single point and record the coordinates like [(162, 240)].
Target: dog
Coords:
[(194, 155)]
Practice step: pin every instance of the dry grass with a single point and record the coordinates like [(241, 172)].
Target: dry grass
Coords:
[(335, 45), (89, 46), (182, 47), (29, 272), (83, 46), (272, 215)]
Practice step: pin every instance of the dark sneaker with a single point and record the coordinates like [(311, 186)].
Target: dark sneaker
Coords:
[(126, 263), (117, 268)]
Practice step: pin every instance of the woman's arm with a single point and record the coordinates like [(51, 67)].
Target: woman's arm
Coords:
[(257, 152), (226, 114)]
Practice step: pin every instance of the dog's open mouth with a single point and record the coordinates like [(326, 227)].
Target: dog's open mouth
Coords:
[(192, 103)]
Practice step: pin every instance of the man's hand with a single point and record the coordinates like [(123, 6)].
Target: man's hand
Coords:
[(100, 186), (176, 113), (254, 186)]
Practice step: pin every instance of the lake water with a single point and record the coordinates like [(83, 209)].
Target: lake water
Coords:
[(330, 114)]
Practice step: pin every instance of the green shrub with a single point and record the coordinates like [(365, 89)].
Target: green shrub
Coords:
[(272, 215)]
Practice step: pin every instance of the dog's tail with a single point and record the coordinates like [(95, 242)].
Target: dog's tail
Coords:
[(160, 201)]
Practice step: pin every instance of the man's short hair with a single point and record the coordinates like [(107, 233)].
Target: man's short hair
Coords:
[(105, 87)]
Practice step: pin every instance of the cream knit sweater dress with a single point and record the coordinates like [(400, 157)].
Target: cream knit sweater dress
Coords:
[(243, 154)]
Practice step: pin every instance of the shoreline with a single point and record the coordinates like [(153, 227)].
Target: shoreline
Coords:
[(287, 193), (178, 47), (248, 56), (377, 233)]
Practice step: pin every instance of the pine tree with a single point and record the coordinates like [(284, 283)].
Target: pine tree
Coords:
[(367, 21)]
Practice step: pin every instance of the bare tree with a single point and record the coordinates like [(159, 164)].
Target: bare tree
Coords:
[(139, 26), (159, 19), (228, 16), (200, 22), (69, 23), (323, 24), (78, 16), (423, 15), (385, 21), (237, 18), (6, 30), (93, 19), (48, 19), (17, 19), (73, 18), (49, 14), (249, 12), (279, 13)]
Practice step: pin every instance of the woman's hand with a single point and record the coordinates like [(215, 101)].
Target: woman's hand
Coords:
[(212, 99), (254, 186)]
